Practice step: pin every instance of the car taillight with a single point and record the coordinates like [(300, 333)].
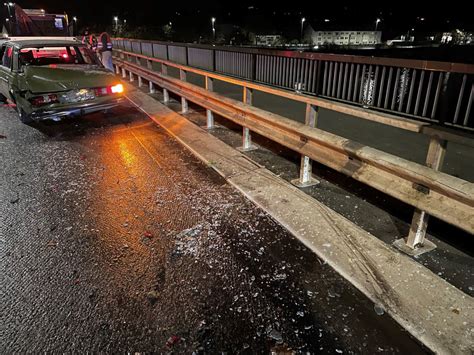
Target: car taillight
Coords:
[(117, 89), (109, 90), (101, 91), (44, 100)]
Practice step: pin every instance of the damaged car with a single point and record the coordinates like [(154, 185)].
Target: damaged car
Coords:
[(55, 78)]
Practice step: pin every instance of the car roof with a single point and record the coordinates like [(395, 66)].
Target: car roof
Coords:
[(29, 42)]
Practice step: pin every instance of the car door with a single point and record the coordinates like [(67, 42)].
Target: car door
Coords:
[(6, 69)]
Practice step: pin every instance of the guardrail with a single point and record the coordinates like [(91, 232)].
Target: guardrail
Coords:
[(437, 92), (430, 191)]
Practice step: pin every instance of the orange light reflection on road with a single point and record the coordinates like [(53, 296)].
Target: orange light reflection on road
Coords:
[(127, 156)]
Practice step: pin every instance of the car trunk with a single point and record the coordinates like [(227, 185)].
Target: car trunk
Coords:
[(57, 78)]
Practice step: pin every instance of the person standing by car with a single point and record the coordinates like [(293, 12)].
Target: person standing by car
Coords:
[(104, 47), (90, 41)]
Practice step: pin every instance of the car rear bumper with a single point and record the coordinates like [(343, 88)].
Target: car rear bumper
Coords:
[(84, 109)]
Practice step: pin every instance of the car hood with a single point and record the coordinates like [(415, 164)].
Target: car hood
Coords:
[(39, 79)]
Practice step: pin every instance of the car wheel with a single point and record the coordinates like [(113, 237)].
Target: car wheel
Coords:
[(23, 116)]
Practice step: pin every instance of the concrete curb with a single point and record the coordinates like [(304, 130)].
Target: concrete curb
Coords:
[(431, 309)]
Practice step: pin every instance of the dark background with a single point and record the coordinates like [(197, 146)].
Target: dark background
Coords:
[(193, 17)]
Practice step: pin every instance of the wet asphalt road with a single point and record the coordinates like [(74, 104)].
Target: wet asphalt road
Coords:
[(115, 238)]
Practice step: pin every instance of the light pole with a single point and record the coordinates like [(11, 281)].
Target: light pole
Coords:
[(116, 23), (377, 23), (302, 25), (213, 21)]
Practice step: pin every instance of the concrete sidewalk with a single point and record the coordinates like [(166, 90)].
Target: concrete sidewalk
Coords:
[(432, 310)]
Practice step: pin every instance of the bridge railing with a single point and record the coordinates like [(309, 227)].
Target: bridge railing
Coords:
[(437, 92), (430, 191)]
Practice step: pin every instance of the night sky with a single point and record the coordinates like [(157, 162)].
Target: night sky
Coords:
[(266, 16)]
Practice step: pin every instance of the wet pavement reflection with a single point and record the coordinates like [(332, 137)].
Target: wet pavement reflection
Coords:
[(115, 238)]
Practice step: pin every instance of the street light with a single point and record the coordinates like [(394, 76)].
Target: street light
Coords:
[(116, 23), (377, 23), (302, 24), (74, 19), (213, 21)]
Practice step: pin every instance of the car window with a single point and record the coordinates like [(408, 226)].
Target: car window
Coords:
[(7, 57), (45, 56)]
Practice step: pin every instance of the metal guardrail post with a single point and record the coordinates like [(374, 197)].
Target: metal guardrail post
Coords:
[(151, 87), (131, 76), (117, 69), (209, 114), (415, 243), (246, 135), (184, 102), (149, 65), (164, 71), (306, 165), (124, 73)]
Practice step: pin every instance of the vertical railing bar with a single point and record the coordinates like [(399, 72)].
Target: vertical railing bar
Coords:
[(376, 81), (310, 79), (428, 92), (279, 71), (324, 77), (297, 70), (331, 65), (344, 81), (469, 105), (269, 70), (403, 90), (389, 82), (395, 89), (307, 75), (334, 79), (381, 89), (361, 86), (438, 90), (369, 79), (316, 74), (267, 79), (418, 96), (293, 73), (339, 83), (412, 87), (351, 74), (356, 82), (461, 94), (276, 70)]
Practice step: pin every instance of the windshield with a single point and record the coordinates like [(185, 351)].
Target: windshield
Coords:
[(57, 55)]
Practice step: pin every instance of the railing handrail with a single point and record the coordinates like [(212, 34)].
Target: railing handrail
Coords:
[(449, 67)]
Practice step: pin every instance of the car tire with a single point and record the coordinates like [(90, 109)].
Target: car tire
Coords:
[(22, 115)]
